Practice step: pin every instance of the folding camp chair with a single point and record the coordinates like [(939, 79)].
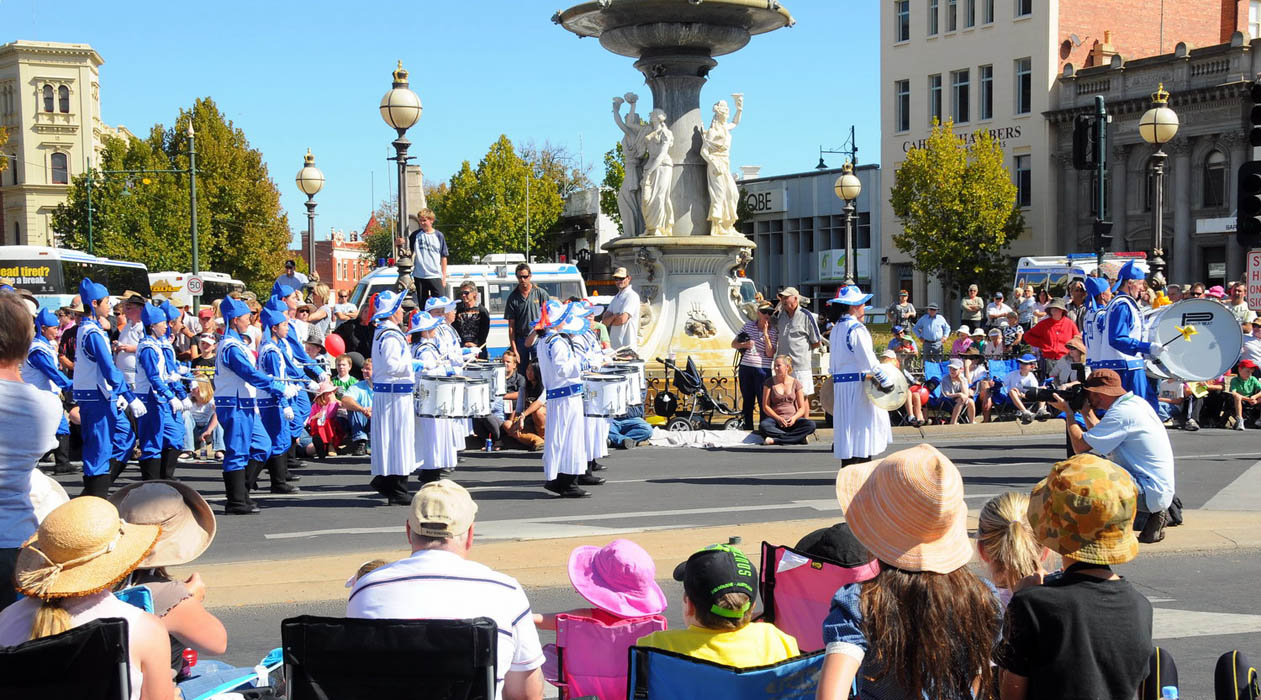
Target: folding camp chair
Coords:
[(589, 656), (797, 590), (934, 374), (138, 596), (88, 662), (1235, 678), (665, 675), (355, 659), (1162, 672)]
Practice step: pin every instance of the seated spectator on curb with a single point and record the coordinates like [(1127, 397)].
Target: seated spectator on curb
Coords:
[(785, 406), (67, 569), (1251, 349), (201, 425), (1174, 403), (925, 625), (719, 589), (357, 403), (629, 430), (515, 403), (438, 582), (994, 347), (321, 424), (1005, 543), (1064, 374), (1019, 382), (1013, 333), (1245, 389), (342, 378), (1084, 633), (957, 390)]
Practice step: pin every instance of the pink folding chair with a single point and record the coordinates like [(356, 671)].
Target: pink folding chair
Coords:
[(589, 656), (797, 590)]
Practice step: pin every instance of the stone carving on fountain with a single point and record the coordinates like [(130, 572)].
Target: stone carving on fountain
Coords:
[(633, 150), (716, 150), (658, 177)]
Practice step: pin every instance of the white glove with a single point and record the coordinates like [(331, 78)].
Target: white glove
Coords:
[(313, 386), (882, 378), (1155, 351), (137, 408), (291, 390), (185, 371), (121, 403), (324, 378), (176, 405), (287, 413)]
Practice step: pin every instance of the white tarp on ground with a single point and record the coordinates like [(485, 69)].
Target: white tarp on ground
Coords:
[(708, 439)]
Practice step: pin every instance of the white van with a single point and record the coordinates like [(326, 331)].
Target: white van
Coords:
[(495, 280), (215, 285), (53, 274), (1055, 272)]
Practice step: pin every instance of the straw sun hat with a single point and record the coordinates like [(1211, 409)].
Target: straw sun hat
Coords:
[(908, 509), (188, 524), (81, 547)]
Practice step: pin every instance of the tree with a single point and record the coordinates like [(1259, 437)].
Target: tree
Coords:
[(484, 209), (957, 205), (381, 230), (144, 217), (614, 173)]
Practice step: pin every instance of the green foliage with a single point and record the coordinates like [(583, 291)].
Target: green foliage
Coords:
[(484, 209), (956, 202), (381, 230), (144, 217), (614, 173)]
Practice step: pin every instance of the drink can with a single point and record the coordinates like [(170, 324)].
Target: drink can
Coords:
[(489, 445)]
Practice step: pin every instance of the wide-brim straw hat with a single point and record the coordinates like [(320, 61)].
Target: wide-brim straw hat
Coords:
[(188, 524), (1085, 509), (908, 509), (82, 547)]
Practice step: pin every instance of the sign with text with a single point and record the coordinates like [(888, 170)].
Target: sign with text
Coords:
[(1253, 276), (767, 198), (832, 264), (36, 276)]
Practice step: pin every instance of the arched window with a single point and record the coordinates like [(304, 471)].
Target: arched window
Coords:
[(1215, 179), (63, 99), (61, 175), (48, 98)]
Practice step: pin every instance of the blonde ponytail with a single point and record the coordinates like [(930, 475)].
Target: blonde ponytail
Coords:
[(1005, 538), (50, 619)]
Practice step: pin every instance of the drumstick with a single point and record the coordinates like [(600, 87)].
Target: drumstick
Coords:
[(1183, 332)]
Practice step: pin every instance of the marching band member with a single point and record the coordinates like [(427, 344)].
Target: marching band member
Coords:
[(102, 394), (275, 414), (564, 448), (455, 355), (40, 371), (393, 411), (587, 344), (237, 383), (1118, 332), (299, 365), (436, 452), (176, 376), (862, 430), (152, 376)]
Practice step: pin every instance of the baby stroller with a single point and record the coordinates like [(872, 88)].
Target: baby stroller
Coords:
[(696, 408)]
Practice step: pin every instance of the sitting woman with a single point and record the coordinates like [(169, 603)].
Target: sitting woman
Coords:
[(914, 406), (956, 389), (786, 406)]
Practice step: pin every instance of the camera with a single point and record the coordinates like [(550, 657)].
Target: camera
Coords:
[(742, 337), (1074, 395)]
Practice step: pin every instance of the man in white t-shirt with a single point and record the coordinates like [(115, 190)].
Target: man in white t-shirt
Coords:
[(996, 311), (622, 314), (438, 582), (1019, 382), (129, 336)]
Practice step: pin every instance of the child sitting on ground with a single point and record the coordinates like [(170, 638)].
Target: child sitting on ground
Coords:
[(720, 586), (326, 434), (1006, 545), (343, 379)]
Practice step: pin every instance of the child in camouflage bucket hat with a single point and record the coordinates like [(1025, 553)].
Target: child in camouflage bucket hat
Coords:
[(1084, 509)]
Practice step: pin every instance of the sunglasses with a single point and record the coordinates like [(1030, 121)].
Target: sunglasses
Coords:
[(465, 292), (523, 277), (768, 312)]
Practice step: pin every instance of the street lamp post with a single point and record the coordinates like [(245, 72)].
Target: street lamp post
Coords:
[(401, 108), (310, 180), (1157, 126), (847, 188)]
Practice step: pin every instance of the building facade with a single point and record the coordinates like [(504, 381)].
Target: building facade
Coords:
[(340, 259), (51, 108), (994, 65), (798, 224)]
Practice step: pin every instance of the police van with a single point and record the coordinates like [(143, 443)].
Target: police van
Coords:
[(1055, 272), (53, 274)]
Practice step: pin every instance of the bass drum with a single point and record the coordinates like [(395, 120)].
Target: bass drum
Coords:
[(1208, 350)]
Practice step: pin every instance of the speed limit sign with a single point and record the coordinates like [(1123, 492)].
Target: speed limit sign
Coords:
[(195, 285)]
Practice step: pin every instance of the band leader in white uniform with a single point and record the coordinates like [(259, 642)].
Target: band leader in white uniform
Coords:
[(393, 422), (862, 429), (436, 452), (597, 429), (564, 448)]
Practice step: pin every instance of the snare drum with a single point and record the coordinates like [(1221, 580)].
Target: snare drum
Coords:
[(476, 397), (639, 367), (440, 397), (604, 395), (1206, 355), (492, 371), (634, 393)]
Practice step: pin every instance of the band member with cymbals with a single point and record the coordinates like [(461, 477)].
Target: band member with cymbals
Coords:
[(393, 409), (862, 430)]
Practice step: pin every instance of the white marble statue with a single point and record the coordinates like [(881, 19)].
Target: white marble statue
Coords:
[(633, 149), (658, 177), (716, 150)]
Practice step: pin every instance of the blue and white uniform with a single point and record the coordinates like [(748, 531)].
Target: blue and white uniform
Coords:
[(97, 386), (156, 393), (238, 384), (40, 368), (175, 429), (299, 365), (1115, 338), (435, 438), (271, 411)]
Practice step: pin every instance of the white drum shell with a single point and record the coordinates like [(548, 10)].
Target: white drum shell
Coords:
[(476, 397), (493, 372), (1208, 354), (604, 395), (440, 397), (634, 392)]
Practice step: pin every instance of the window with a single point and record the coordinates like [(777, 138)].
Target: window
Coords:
[(934, 98), (1024, 85), (952, 15), (932, 17), (63, 99), (1024, 8), (1215, 180), (969, 13), (902, 105), (1024, 181), (13, 169), (48, 98), (986, 104), (902, 21), (960, 84), (987, 11), (60, 176)]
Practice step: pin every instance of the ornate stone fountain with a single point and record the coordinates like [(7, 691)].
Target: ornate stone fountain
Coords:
[(685, 269)]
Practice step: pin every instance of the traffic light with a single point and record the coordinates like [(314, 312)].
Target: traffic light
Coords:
[(1254, 116), (1103, 235), (1248, 210), (1086, 142)]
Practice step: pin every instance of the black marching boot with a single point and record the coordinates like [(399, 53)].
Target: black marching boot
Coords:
[(61, 456), (589, 479), (594, 466), (294, 461), (277, 471), (564, 486), (170, 459), (150, 469), (238, 499), (116, 467), (96, 485), (397, 493), (252, 470)]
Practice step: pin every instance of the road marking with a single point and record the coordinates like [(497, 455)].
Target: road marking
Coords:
[(1241, 494), (1178, 624)]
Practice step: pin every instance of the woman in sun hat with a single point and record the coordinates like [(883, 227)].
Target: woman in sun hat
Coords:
[(1086, 632), (66, 571), (925, 625)]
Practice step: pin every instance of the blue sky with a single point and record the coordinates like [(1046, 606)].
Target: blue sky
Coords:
[(297, 75)]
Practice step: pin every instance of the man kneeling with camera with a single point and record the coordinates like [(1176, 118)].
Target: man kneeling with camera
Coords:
[(1131, 435)]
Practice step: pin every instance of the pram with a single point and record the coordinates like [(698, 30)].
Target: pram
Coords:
[(698, 407)]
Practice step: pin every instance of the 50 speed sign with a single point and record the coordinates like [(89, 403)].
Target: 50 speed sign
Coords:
[(195, 285)]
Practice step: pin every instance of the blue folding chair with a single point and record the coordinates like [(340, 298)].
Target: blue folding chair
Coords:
[(938, 371), (655, 674), (137, 596)]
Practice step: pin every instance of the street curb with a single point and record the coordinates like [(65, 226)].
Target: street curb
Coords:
[(543, 563), (1053, 426)]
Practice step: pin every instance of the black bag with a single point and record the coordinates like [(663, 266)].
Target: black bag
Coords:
[(1235, 678), (1161, 673)]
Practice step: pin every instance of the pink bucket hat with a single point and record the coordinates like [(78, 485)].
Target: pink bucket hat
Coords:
[(1216, 292), (619, 578)]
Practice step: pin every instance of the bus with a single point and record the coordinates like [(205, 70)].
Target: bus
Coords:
[(53, 274), (215, 285), (495, 279)]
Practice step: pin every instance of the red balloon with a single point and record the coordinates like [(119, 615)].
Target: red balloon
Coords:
[(334, 344)]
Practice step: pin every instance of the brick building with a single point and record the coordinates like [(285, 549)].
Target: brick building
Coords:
[(341, 259)]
